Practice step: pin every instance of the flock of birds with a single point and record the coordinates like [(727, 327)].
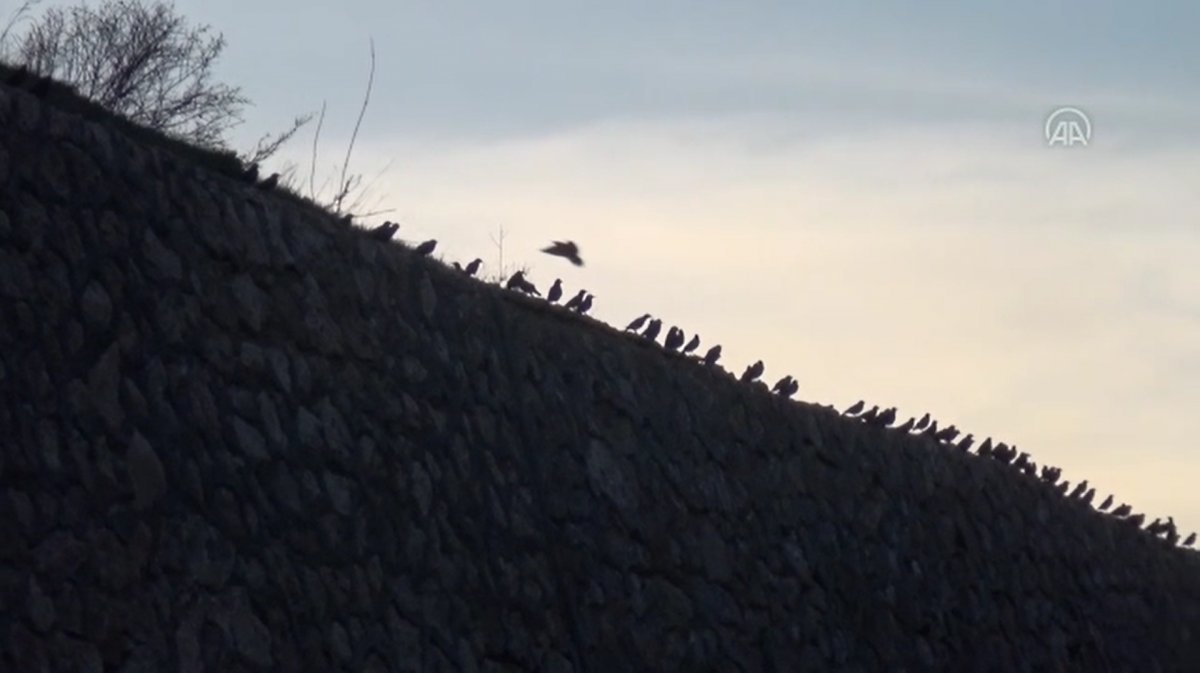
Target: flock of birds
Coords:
[(648, 327)]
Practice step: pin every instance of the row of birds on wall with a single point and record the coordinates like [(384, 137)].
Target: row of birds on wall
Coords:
[(1010, 457), (648, 327)]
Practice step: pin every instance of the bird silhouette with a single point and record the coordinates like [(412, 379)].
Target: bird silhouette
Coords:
[(269, 182), (1123, 510), (517, 282), (908, 425), (575, 302), (251, 174), (637, 323), (586, 304), (1079, 489), (947, 435), (855, 408), (1106, 504), (965, 444), (653, 329), (555, 291), (713, 354), (426, 247), (782, 384), (1136, 520), (457, 266), (566, 249), (384, 231), (886, 418), (752, 372), (692, 344), (793, 389), (923, 423), (985, 447), (1023, 461), (473, 267), (1087, 497), (674, 339), (1191, 540), (870, 416)]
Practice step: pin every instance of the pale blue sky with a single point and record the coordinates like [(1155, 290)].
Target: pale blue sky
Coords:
[(857, 193)]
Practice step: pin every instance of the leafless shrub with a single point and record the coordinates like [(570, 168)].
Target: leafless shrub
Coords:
[(140, 60)]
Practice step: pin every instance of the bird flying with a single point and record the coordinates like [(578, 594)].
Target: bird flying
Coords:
[(566, 249)]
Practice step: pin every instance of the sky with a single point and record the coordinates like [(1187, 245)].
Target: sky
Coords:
[(859, 194)]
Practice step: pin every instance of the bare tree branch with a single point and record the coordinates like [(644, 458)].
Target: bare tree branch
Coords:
[(345, 185)]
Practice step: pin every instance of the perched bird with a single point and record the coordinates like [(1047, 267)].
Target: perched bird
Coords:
[(692, 344), (457, 266), (923, 423), (931, 430), (518, 282), (947, 435), (653, 329), (1106, 504), (637, 323), (1079, 489), (985, 449), (426, 247), (1137, 520), (270, 182), (1022, 461), (384, 231), (855, 408), (251, 174), (886, 418), (752, 372), (792, 389), (782, 384), (1062, 488), (586, 305), (1123, 510), (965, 444), (566, 249), (1087, 497), (713, 354), (1191, 540), (555, 292), (1029, 468), (575, 302), (674, 339), (908, 425), (473, 267), (870, 416)]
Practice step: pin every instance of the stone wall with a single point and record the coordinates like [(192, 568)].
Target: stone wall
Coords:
[(240, 436)]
